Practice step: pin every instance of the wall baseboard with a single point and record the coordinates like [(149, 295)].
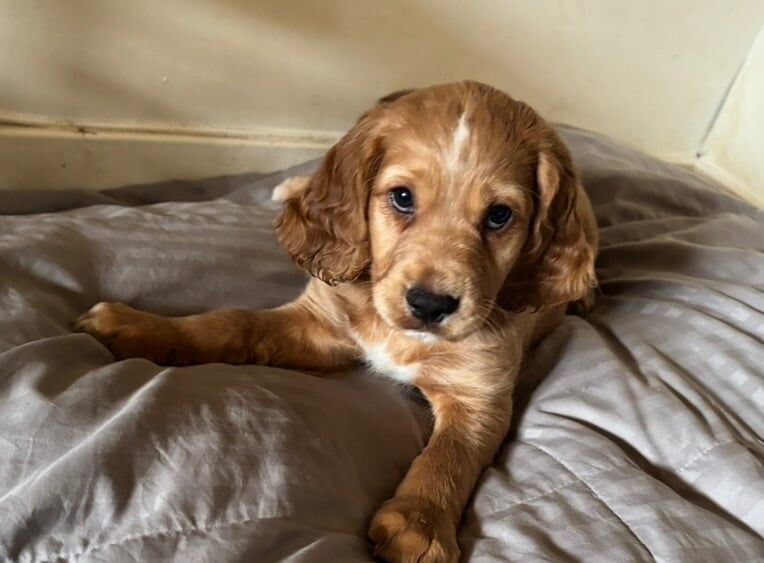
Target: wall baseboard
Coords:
[(39, 155), (60, 156)]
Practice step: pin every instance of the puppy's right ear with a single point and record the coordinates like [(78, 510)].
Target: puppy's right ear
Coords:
[(324, 228)]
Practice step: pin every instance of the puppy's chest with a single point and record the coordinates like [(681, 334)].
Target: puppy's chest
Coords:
[(380, 355)]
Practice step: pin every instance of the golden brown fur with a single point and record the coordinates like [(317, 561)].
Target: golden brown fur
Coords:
[(460, 148)]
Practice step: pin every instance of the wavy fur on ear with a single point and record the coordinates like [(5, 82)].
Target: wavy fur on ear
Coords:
[(558, 261), (324, 229)]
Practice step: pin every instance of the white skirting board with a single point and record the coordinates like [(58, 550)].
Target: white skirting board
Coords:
[(100, 158), (40, 156)]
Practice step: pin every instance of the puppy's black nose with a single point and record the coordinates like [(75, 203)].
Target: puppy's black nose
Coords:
[(428, 306)]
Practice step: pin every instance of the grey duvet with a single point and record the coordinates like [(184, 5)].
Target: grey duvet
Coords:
[(638, 433)]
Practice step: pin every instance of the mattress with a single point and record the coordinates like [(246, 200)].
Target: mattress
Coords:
[(637, 434)]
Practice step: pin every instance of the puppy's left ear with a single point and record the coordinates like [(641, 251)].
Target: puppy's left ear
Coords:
[(324, 227), (557, 265)]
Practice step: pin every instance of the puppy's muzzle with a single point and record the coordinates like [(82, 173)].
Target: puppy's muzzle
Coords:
[(430, 307)]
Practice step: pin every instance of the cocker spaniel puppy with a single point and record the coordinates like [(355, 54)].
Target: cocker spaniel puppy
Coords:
[(445, 232)]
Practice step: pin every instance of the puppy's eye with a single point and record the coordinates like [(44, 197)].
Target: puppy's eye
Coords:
[(402, 200), (498, 216)]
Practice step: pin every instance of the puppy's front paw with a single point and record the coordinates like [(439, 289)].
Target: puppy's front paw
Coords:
[(411, 529), (130, 333)]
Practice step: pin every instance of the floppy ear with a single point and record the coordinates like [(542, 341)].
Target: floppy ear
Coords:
[(557, 265), (324, 227)]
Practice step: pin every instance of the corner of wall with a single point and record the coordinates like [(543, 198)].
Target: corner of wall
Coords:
[(733, 150)]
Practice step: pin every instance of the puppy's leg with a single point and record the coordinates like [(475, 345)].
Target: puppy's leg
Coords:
[(420, 522), (298, 335)]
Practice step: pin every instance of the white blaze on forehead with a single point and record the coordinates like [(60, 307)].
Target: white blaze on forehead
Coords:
[(459, 140)]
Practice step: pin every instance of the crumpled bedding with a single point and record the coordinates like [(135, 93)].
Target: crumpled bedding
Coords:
[(637, 436)]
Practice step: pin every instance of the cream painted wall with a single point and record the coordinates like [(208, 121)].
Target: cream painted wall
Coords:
[(202, 72), (733, 152)]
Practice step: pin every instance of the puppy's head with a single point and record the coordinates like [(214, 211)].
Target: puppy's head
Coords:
[(451, 198)]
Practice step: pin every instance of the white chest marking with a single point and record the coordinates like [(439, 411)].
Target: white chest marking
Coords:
[(380, 361)]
